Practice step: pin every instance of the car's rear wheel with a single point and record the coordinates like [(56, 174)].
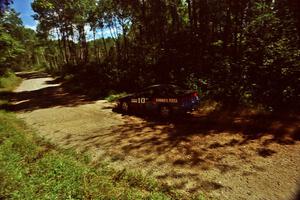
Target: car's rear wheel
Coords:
[(165, 111), (125, 107)]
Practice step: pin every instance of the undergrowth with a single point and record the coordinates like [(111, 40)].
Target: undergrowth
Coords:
[(31, 168), (114, 96), (9, 81)]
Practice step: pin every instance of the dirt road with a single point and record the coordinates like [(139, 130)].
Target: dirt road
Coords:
[(242, 157)]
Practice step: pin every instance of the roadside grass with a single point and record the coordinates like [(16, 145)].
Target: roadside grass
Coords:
[(3, 102), (31, 168), (9, 81), (112, 96)]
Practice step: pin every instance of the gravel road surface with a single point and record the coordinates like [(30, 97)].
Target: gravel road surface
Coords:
[(239, 158)]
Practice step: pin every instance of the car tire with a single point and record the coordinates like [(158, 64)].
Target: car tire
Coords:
[(165, 111), (125, 107)]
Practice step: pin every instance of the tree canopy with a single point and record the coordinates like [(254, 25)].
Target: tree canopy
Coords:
[(247, 51)]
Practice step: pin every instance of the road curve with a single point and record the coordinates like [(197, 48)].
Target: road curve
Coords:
[(235, 161)]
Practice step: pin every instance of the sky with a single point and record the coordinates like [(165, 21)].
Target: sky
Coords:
[(24, 8)]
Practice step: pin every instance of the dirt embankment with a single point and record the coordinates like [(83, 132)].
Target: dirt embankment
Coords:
[(242, 157)]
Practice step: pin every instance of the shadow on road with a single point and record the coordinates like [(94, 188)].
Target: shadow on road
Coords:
[(210, 142), (298, 194), (46, 97), (282, 128), (223, 141)]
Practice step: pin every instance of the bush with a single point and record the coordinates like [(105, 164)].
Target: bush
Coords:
[(9, 81), (112, 96)]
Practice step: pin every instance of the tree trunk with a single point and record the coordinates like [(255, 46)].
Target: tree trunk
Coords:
[(65, 46), (60, 45), (95, 46), (104, 43), (226, 32), (190, 14)]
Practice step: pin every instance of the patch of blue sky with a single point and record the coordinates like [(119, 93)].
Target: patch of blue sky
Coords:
[(24, 8)]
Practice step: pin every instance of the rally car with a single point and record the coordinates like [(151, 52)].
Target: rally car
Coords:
[(163, 99)]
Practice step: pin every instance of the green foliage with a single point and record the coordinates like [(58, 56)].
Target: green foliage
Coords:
[(19, 46), (31, 168), (200, 197), (4, 4), (270, 60), (246, 51), (112, 96), (9, 81), (10, 50)]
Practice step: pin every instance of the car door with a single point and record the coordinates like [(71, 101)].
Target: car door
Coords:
[(157, 95), (166, 96), (150, 104), (140, 99)]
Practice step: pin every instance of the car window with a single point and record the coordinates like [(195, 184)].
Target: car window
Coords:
[(170, 90), (175, 90), (161, 91), (146, 93)]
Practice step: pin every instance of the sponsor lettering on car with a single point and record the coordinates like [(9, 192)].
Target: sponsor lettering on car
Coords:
[(165, 100)]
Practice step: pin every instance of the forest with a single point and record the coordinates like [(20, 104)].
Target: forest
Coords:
[(239, 52), (62, 135)]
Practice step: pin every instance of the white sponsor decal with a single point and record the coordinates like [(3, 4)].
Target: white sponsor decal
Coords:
[(138, 100), (162, 100)]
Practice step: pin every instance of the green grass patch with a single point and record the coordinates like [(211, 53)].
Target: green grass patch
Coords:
[(4, 102), (31, 168), (9, 81), (114, 96)]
